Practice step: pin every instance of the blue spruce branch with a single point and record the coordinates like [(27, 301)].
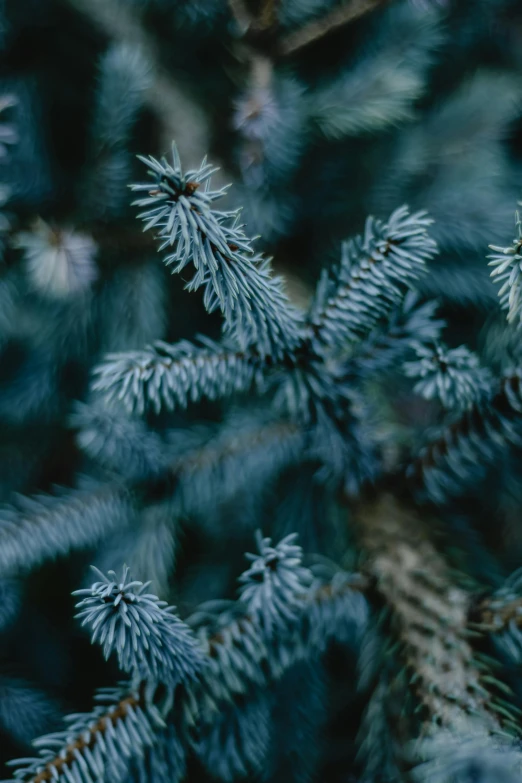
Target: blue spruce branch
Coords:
[(378, 753), (46, 526), (447, 464), (166, 759), (196, 472), (236, 743), (26, 710), (381, 89), (171, 376), (235, 280), (413, 323), (464, 286), (275, 584), (467, 755), (373, 277), (150, 641), (375, 271), (134, 721), (119, 442), (244, 454), (507, 263), (259, 635), (98, 745), (454, 376), (124, 78)]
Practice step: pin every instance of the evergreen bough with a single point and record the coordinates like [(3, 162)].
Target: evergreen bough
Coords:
[(346, 422)]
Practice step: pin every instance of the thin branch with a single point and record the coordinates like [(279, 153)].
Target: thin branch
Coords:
[(318, 28)]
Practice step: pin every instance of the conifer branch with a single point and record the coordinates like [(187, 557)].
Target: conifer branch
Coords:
[(500, 616), (198, 475), (243, 652), (448, 462), (347, 12), (103, 744), (273, 585), (59, 262), (507, 263), (169, 376), (429, 613), (180, 117), (373, 276), (374, 273), (179, 205), (378, 746), (454, 376), (461, 285), (382, 88), (150, 641), (117, 733), (45, 527), (123, 83), (98, 745), (240, 688), (459, 756), (237, 445), (202, 464), (413, 323), (241, 455)]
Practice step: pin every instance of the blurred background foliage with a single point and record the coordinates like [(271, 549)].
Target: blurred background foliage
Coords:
[(319, 112)]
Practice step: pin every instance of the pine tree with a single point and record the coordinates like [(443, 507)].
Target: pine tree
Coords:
[(340, 397)]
